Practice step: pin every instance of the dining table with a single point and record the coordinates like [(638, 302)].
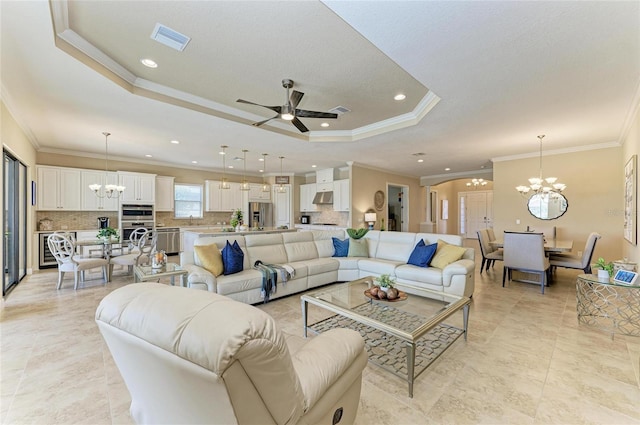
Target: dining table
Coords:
[(106, 246), (550, 245)]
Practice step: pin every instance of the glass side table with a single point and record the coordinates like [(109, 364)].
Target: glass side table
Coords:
[(147, 273), (608, 305)]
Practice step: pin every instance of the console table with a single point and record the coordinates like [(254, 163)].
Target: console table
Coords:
[(608, 305)]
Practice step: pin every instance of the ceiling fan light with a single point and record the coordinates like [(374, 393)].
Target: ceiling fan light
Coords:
[(288, 117)]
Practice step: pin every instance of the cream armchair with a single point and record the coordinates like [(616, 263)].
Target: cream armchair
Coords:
[(196, 357)]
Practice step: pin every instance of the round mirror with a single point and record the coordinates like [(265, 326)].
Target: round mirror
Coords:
[(547, 206)]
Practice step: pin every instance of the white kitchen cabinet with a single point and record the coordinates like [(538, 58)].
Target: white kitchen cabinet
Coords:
[(341, 198), (282, 206), (257, 195), (164, 193), (324, 187), (59, 189), (307, 192), (224, 199), (91, 202), (324, 176), (139, 187)]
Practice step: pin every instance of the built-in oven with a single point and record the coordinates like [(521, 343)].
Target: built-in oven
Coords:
[(128, 226), (136, 212), (46, 260)]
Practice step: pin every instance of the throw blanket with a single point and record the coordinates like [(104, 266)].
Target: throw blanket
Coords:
[(270, 274)]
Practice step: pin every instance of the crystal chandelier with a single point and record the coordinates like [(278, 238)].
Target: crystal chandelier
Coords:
[(281, 188), (477, 183), (245, 183), (110, 190), (541, 185), (265, 184), (224, 183)]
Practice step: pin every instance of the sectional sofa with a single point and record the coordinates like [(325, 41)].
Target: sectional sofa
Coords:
[(310, 254)]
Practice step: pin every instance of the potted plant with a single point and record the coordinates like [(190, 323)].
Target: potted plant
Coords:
[(107, 233), (236, 219), (603, 267), (385, 282)]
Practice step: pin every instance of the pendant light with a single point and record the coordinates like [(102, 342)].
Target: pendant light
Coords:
[(281, 188), (245, 184), (224, 183), (265, 184), (110, 190)]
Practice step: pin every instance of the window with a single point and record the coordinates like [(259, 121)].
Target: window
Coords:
[(188, 200)]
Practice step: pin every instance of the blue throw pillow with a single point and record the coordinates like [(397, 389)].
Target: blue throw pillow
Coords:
[(422, 254), (341, 248), (232, 258)]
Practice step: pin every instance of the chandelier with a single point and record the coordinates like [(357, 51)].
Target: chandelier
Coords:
[(224, 183), (541, 185), (476, 183), (245, 183), (281, 188), (265, 184), (110, 190)]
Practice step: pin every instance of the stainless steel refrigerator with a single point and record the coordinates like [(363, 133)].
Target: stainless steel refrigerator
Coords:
[(260, 214)]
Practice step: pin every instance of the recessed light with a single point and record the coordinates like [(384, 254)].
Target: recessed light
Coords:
[(149, 156), (262, 171), (399, 96), (421, 160), (261, 159), (175, 142), (230, 166), (194, 162), (482, 166), (314, 166), (447, 169), (149, 63), (324, 124)]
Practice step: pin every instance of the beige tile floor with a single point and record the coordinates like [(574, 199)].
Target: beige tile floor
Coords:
[(526, 361)]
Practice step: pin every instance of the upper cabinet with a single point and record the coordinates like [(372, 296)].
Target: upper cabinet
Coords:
[(324, 176), (282, 206), (93, 202), (58, 189), (307, 192), (224, 199), (139, 187), (341, 195), (257, 195), (164, 194)]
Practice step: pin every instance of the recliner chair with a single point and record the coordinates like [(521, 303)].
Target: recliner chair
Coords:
[(197, 357)]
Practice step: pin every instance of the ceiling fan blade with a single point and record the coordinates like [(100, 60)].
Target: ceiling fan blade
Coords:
[(258, 124), (296, 96), (299, 124), (277, 109), (314, 114)]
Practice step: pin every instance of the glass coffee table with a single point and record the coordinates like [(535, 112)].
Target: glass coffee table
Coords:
[(147, 273), (403, 337)]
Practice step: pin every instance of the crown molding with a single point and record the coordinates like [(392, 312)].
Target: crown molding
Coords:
[(575, 149)]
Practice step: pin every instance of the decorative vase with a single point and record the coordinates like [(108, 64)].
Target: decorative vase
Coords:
[(158, 259), (603, 274)]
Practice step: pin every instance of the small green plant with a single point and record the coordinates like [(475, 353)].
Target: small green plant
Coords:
[(385, 281), (107, 233), (602, 264), (236, 218)]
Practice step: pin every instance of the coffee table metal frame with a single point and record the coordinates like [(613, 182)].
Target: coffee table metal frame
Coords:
[(147, 273), (409, 338)]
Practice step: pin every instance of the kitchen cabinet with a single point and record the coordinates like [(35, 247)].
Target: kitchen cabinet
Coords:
[(282, 206), (324, 176), (224, 199), (164, 193), (257, 195), (307, 192), (139, 187), (59, 189), (341, 195), (91, 202)]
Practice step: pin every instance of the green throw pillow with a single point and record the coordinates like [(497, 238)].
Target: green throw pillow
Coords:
[(358, 248)]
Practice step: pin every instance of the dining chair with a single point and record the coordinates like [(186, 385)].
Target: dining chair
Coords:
[(489, 253), (525, 252), (548, 232), (63, 249), (139, 253), (132, 245), (570, 261)]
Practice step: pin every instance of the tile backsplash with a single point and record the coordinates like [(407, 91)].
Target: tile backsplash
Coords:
[(76, 220)]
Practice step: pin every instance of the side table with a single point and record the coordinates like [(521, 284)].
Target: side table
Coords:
[(147, 273), (608, 305)]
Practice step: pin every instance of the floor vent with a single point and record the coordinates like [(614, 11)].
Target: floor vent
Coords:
[(169, 37)]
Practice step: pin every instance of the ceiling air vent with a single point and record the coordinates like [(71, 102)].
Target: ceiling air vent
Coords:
[(169, 37), (339, 110)]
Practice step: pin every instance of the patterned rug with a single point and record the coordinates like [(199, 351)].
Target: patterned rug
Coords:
[(388, 351)]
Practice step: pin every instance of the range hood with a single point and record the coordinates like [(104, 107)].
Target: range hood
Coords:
[(323, 198)]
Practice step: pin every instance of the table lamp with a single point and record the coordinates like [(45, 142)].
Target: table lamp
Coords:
[(370, 218)]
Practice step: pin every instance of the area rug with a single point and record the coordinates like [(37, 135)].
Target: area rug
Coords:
[(388, 351)]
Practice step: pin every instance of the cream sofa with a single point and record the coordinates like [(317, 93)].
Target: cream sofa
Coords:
[(311, 255), (193, 358)]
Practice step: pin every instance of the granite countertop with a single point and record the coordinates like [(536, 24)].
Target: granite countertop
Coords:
[(67, 230), (320, 227), (217, 231)]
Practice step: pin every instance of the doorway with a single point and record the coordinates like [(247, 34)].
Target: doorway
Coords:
[(476, 212), (14, 207), (397, 208)]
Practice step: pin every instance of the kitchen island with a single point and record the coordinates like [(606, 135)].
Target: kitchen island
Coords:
[(190, 235)]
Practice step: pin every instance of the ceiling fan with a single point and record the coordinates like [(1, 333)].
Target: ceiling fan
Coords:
[(288, 111)]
